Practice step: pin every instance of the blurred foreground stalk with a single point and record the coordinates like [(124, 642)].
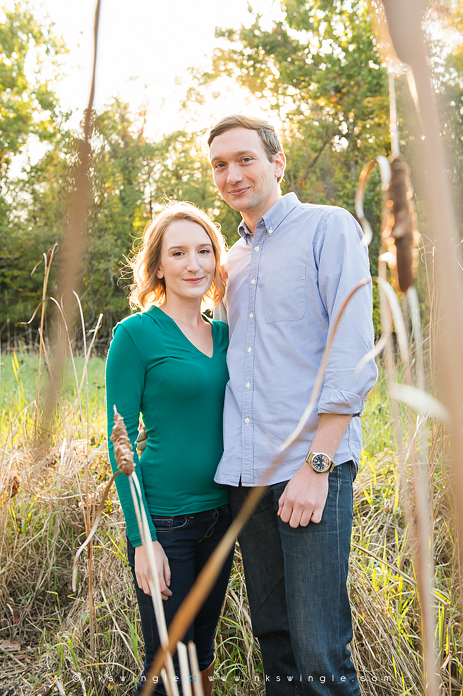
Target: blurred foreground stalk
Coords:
[(404, 22), (403, 42)]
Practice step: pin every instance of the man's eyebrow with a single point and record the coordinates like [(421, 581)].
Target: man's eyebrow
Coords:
[(235, 154)]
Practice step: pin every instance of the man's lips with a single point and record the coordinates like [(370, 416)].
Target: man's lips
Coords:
[(239, 192)]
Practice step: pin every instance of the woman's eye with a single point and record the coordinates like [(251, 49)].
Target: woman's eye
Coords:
[(205, 251)]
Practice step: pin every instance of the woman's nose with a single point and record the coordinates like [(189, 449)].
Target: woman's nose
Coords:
[(193, 263)]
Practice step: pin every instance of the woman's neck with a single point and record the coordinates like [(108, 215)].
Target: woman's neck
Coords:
[(181, 310)]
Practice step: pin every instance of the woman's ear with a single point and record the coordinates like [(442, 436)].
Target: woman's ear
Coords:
[(159, 274)]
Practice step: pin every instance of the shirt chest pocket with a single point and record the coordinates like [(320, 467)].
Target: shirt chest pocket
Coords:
[(284, 294)]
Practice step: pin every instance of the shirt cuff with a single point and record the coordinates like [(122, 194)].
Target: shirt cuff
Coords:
[(133, 532), (340, 402)]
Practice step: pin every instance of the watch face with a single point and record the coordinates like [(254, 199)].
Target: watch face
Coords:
[(321, 463)]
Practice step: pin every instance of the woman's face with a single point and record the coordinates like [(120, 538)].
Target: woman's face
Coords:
[(187, 260)]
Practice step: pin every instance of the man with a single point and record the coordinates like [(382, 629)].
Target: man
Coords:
[(288, 277)]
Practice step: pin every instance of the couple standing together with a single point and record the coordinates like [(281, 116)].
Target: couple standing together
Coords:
[(288, 277)]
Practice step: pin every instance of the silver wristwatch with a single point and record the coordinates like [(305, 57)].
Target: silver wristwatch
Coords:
[(320, 462)]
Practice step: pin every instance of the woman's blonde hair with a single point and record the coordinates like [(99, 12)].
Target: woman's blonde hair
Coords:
[(151, 290)]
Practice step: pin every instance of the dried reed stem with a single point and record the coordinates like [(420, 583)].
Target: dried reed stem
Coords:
[(195, 673), (169, 682), (92, 530), (404, 22), (420, 527), (182, 653), (75, 233), (48, 258)]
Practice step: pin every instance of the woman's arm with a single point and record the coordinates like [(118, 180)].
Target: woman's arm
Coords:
[(125, 379)]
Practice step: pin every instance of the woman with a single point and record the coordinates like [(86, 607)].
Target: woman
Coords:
[(168, 363)]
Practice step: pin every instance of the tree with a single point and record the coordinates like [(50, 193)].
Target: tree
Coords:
[(448, 75), (131, 177), (29, 104), (28, 107), (320, 72)]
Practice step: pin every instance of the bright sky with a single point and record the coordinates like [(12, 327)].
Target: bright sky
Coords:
[(145, 49)]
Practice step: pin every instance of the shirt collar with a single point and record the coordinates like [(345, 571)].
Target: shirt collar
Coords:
[(273, 218)]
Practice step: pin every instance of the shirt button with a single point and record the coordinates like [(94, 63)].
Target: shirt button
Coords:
[(256, 248), (249, 349), (270, 231), (253, 281), (246, 420), (248, 386), (251, 316)]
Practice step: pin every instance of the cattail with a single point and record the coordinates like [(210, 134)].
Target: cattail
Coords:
[(122, 447), (11, 487), (400, 235)]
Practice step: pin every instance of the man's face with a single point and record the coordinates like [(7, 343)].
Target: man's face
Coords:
[(246, 179)]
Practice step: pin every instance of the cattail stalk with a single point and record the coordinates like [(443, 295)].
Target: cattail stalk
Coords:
[(182, 653), (195, 673), (124, 457)]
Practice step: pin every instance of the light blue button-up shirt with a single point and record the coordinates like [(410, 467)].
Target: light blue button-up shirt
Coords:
[(286, 285)]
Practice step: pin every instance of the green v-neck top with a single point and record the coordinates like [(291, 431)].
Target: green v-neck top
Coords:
[(153, 369)]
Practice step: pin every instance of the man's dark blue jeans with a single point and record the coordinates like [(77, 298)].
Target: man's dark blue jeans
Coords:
[(296, 583), (188, 541)]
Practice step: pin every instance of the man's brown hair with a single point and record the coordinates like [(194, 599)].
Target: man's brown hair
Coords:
[(267, 133)]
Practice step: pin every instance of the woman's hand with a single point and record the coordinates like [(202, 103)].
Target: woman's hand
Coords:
[(142, 439), (142, 569)]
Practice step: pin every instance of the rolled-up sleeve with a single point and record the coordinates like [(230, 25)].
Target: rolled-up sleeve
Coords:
[(342, 261)]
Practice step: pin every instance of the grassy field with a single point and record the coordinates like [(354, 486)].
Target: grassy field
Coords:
[(45, 628)]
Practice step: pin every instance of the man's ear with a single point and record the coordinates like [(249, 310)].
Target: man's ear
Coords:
[(279, 165)]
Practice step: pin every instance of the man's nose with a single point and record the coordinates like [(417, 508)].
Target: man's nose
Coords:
[(234, 174)]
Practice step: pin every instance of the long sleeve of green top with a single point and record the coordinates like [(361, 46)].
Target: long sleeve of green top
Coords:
[(153, 369)]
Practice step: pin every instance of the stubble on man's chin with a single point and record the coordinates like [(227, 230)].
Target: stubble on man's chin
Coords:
[(246, 207)]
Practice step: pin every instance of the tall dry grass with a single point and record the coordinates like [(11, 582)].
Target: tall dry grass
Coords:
[(53, 641), (44, 524)]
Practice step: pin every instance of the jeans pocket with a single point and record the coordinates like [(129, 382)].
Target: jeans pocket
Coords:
[(171, 524)]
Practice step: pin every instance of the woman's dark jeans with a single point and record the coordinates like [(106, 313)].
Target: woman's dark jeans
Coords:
[(188, 541)]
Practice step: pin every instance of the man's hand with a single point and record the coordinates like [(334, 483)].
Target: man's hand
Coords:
[(142, 569), (304, 497)]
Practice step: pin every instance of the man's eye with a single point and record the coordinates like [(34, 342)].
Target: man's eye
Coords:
[(246, 160), (219, 165)]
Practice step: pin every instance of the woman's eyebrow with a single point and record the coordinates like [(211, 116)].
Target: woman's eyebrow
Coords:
[(183, 246)]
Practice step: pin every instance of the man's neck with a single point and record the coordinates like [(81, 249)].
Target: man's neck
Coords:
[(252, 217)]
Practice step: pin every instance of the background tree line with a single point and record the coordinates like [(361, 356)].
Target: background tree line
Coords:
[(319, 72)]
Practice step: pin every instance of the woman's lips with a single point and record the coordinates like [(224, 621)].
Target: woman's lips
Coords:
[(193, 280)]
